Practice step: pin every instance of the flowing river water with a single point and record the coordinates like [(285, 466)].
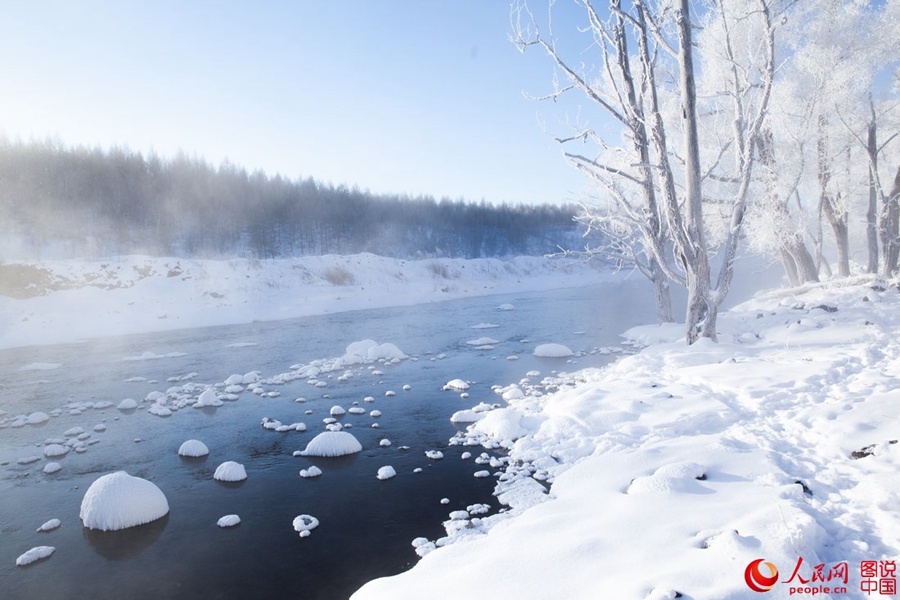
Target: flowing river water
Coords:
[(366, 524)]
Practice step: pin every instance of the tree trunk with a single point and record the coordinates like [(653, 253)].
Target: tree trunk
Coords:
[(661, 292), (872, 210), (839, 226), (694, 254), (890, 224)]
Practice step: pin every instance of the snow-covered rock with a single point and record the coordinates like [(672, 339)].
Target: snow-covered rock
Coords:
[(119, 500), (386, 472), (552, 351), (193, 449), (332, 443), (35, 554), (230, 471), (228, 521), (304, 524), (311, 472), (50, 525), (456, 385)]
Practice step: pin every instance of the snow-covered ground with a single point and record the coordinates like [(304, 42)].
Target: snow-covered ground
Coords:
[(695, 472), (67, 301)]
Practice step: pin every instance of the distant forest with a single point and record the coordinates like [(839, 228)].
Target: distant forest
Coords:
[(90, 202)]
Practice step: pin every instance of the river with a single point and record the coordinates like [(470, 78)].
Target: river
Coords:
[(366, 525)]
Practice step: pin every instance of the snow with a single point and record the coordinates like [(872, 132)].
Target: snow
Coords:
[(386, 472), (50, 525), (668, 472), (230, 471), (35, 554), (332, 443), (304, 524), (552, 351), (118, 501), (193, 449), (36, 418), (369, 351), (311, 472), (456, 385), (466, 416), (228, 521), (256, 290), (54, 450)]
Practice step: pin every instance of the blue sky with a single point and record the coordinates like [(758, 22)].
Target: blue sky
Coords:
[(401, 96)]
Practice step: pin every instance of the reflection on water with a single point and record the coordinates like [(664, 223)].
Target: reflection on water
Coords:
[(125, 543)]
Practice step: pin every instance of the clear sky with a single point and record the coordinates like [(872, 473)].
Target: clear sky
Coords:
[(396, 96)]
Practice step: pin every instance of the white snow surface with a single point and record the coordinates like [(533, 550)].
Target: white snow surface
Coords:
[(673, 469), (118, 501), (139, 294), (332, 443)]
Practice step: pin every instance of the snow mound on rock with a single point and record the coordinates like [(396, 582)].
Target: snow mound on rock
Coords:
[(230, 471), (369, 351), (50, 525), (304, 524), (193, 449), (119, 500), (552, 351), (228, 521), (36, 553), (386, 472), (456, 385), (332, 443)]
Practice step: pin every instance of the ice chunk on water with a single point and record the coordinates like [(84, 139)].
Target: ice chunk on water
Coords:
[(332, 443), (337, 411), (127, 404), (36, 553), (52, 467), (118, 501), (193, 449), (434, 454), (230, 471)]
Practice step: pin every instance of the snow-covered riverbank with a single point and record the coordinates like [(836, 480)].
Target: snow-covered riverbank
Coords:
[(696, 472), (65, 301)]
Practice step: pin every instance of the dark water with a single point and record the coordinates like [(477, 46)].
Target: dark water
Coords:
[(366, 524)]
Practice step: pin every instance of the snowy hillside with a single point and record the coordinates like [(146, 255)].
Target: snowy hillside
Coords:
[(695, 472), (63, 301)]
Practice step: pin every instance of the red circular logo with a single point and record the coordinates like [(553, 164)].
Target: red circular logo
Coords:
[(756, 580)]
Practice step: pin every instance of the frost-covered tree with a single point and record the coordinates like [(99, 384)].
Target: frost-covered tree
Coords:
[(668, 159)]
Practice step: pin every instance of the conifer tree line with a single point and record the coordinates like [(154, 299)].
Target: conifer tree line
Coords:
[(95, 202)]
